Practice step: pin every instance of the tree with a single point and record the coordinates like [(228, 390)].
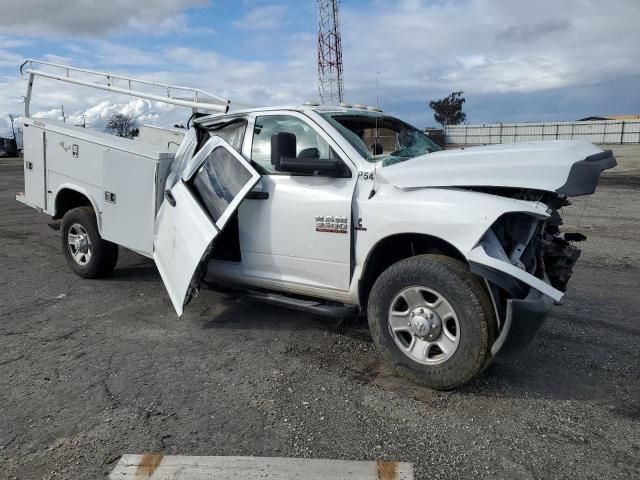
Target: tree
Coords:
[(448, 111), (122, 125)]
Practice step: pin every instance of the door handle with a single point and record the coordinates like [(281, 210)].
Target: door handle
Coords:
[(169, 196), (257, 196)]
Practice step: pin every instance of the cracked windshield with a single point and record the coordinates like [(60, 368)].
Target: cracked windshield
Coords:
[(380, 138)]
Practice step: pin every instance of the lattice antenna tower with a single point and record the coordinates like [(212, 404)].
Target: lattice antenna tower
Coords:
[(330, 84)]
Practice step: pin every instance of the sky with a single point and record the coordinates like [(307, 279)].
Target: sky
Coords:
[(516, 60)]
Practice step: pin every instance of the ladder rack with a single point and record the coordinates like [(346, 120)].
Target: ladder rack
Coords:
[(194, 98)]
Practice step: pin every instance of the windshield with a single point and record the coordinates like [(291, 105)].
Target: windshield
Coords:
[(379, 138)]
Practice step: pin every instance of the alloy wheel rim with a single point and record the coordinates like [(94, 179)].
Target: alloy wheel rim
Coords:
[(79, 244), (424, 325)]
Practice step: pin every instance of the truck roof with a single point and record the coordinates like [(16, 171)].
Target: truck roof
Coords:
[(307, 107)]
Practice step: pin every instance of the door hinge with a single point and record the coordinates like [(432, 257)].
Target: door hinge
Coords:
[(109, 197)]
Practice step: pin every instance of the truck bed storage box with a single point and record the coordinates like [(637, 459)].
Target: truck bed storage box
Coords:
[(133, 189), (124, 179)]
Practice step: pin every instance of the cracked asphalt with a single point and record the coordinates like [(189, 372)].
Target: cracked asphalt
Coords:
[(90, 370)]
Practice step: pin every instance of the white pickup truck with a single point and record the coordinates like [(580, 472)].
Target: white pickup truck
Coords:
[(452, 255)]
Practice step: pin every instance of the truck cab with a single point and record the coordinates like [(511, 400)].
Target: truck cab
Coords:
[(343, 200)]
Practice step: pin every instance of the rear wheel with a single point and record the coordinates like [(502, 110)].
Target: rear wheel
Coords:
[(85, 251), (432, 318)]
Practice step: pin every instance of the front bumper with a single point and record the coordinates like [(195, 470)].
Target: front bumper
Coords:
[(523, 320)]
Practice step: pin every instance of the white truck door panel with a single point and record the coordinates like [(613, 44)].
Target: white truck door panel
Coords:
[(195, 211), (129, 197), (279, 237), (34, 166), (184, 234), (299, 233)]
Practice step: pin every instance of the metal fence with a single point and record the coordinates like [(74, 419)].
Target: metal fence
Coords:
[(600, 131)]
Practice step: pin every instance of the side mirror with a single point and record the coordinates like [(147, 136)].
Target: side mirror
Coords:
[(283, 145), (284, 159)]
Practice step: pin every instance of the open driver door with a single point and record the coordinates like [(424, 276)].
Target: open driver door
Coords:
[(194, 212)]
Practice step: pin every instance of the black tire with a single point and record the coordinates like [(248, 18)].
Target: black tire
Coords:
[(103, 254), (466, 295)]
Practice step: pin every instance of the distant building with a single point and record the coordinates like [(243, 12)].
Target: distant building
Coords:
[(624, 117), (611, 117), (591, 119)]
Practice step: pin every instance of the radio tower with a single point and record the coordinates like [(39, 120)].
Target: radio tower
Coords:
[(330, 86)]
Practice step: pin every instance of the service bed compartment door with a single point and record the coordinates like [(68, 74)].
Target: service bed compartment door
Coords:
[(195, 210), (129, 200), (34, 140)]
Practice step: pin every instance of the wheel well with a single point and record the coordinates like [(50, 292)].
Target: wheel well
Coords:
[(68, 199), (392, 249)]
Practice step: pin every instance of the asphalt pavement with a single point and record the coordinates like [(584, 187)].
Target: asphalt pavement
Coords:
[(91, 370)]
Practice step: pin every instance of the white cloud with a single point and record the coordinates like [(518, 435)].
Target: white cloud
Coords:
[(490, 46), (421, 49), (174, 24), (7, 42), (269, 17), (88, 18), (144, 111), (244, 82), (106, 54), (9, 59)]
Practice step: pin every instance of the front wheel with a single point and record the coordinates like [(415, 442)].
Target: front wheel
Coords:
[(433, 319), (84, 249)]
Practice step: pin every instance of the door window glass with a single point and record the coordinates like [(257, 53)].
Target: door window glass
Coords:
[(219, 180), (308, 143)]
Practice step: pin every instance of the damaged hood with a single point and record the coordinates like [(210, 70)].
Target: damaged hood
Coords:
[(567, 167)]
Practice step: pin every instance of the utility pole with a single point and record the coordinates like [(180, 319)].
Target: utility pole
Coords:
[(84, 121), (64, 119), (330, 83)]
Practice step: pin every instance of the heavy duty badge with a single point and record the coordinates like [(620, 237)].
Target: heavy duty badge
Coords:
[(331, 224)]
